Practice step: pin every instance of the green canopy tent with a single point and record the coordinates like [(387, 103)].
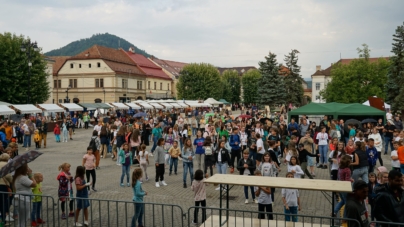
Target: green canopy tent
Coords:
[(224, 101), (338, 110)]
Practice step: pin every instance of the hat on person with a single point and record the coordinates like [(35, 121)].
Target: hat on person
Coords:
[(359, 185), (390, 121), (382, 169)]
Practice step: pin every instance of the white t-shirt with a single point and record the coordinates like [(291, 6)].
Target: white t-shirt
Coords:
[(298, 170), (259, 131), (395, 163), (98, 128), (389, 116), (334, 166), (260, 144), (144, 157), (322, 138)]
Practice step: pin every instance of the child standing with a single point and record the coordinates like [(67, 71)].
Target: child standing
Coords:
[(143, 157), (138, 195), (209, 158), (160, 163), (344, 174), (199, 187), (89, 164), (37, 201), (174, 153), (395, 163), (126, 160), (65, 191), (37, 138), (294, 167), (291, 200), (264, 199), (246, 167), (372, 194), (82, 195), (56, 131)]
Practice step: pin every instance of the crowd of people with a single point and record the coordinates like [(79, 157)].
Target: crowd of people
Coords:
[(251, 144)]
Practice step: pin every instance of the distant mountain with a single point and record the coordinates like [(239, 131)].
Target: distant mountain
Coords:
[(106, 39)]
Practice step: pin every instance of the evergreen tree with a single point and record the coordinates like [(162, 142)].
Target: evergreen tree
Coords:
[(271, 89), (293, 80), (14, 80), (395, 76), (250, 82)]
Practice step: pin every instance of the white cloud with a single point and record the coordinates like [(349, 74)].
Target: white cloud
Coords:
[(224, 33)]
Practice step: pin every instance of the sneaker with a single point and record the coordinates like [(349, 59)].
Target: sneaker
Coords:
[(85, 223), (147, 178), (71, 215), (320, 166), (128, 184), (119, 164), (33, 223), (255, 200), (313, 174), (195, 223), (157, 185), (185, 185), (246, 201), (101, 156), (71, 138), (94, 189), (63, 216), (9, 219), (89, 192), (325, 167), (77, 224), (122, 185), (164, 183), (112, 156), (40, 221), (151, 155)]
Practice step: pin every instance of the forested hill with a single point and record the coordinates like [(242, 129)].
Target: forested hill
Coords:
[(106, 39)]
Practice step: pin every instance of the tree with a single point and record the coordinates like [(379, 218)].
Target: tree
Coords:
[(271, 90), (356, 81), (199, 81), (231, 86), (365, 52), (250, 81), (395, 75), (293, 79), (14, 80)]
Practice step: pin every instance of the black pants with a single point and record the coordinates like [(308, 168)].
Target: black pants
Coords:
[(86, 125), (203, 204), (134, 153), (62, 205), (20, 138), (5, 200), (379, 156), (265, 208), (160, 172), (209, 162), (92, 172), (235, 154), (334, 174), (317, 157), (273, 195)]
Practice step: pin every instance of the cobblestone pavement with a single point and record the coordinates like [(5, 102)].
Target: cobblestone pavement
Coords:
[(107, 184)]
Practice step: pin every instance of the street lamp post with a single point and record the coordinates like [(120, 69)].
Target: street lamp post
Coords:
[(26, 48), (103, 89), (67, 100)]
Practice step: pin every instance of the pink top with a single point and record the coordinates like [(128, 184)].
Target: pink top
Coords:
[(135, 144), (90, 161), (344, 174), (199, 188)]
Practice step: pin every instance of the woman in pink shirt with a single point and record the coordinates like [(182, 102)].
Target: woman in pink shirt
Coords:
[(89, 165)]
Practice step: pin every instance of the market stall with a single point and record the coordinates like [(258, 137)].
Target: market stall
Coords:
[(26, 109), (71, 106), (119, 106), (133, 106), (145, 105), (5, 110)]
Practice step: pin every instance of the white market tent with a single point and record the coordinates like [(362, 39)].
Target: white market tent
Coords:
[(156, 105), (120, 106), (5, 110), (175, 105), (27, 109), (212, 101), (166, 105), (71, 106), (5, 103), (182, 104), (133, 106), (144, 104), (51, 108)]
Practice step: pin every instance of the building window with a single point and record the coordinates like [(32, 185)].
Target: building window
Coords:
[(148, 85), (161, 86), (71, 65), (139, 85), (317, 86), (98, 65), (317, 97), (80, 66), (168, 86), (57, 83), (155, 85), (99, 82), (60, 101), (89, 65), (124, 83), (73, 83)]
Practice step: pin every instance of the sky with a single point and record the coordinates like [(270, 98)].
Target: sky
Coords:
[(225, 33)]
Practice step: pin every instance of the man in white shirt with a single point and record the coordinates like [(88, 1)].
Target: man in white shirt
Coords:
[(259, 130), (98, 126), (389, 116), (260, 149)]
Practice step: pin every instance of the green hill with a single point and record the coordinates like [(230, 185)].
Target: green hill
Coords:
[(106, 39)]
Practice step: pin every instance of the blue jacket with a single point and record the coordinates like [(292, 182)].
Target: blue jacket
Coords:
[(3, 139), (232, 141), (372, 155), (121, 154), (294, 125), (138, 192)]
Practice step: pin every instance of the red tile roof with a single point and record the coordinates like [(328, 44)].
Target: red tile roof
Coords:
[(147, 66), (173, 67), (59, 62), (327, 71)]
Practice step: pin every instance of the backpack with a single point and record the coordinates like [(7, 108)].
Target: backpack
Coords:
[(93, 144), (208, 150)]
